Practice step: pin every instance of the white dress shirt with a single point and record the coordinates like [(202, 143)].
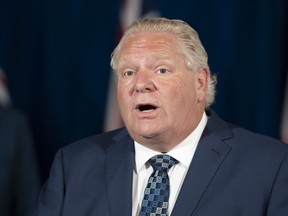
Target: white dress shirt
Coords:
[(183, 152)]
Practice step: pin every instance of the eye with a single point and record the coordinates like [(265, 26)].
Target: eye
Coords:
[(162, 71), (129, 73)]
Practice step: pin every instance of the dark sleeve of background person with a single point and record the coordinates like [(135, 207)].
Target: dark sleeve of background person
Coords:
[(19, 178)]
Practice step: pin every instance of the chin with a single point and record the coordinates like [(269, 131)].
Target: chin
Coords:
[(147, 134)]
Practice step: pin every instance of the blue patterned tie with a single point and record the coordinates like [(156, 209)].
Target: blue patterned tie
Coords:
[(156, 194)]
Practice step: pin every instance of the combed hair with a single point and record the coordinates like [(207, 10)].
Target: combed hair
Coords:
[(189, 44)]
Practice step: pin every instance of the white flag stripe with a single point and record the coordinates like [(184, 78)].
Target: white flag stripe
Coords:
[(113, 119), (130, 12), (284, 127)]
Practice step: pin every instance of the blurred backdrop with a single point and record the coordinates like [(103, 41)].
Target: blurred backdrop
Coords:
[(56, 53)]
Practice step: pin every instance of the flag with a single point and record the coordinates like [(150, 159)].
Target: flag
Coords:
[(284, 127), (130, 10), (4, 94)]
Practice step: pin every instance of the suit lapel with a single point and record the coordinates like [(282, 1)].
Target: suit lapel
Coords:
[(209, 155), (119, 175)]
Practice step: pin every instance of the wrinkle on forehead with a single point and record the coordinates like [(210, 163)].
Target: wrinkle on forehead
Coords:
[(164, 44), (149, 40)]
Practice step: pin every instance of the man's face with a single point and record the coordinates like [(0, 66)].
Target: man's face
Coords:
[(160, 99)]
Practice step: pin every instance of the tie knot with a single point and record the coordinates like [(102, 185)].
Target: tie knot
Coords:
[(162, 162)]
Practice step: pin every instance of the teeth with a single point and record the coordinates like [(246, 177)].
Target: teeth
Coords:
[(147, 111)]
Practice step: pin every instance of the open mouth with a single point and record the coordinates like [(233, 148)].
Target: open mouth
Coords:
[(146, 107)]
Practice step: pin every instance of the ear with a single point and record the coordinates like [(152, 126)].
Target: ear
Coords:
[(201, 79)]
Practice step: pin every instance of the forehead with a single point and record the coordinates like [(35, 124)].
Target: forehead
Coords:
[(150, 40)]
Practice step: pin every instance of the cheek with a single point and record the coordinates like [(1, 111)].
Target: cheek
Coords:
[(122, 90), (183, 95), (124, 87), (122, 98), (183, 88), (175, 97), (125, 100)]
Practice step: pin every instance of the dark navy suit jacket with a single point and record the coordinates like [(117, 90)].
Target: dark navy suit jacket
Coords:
[(234, 173)]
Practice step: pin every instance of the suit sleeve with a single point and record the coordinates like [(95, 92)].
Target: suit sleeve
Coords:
[(52, 194), (278, 204)]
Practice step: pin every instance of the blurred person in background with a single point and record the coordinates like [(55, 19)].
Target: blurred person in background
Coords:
[(19, 178)]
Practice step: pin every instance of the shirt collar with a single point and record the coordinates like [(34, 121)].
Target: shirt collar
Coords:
[(183, 152)]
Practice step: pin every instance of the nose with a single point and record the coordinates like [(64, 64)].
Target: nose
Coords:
[(144, 83)]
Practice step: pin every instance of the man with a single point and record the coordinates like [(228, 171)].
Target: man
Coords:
[(164, 91)]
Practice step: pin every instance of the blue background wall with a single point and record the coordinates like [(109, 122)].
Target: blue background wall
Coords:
[(56, 57)]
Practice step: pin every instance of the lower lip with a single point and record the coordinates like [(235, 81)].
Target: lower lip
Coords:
[(147, 114)]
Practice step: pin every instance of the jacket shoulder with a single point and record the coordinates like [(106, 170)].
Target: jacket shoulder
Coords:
[(90, 149), (242, 139), (99, 142)]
